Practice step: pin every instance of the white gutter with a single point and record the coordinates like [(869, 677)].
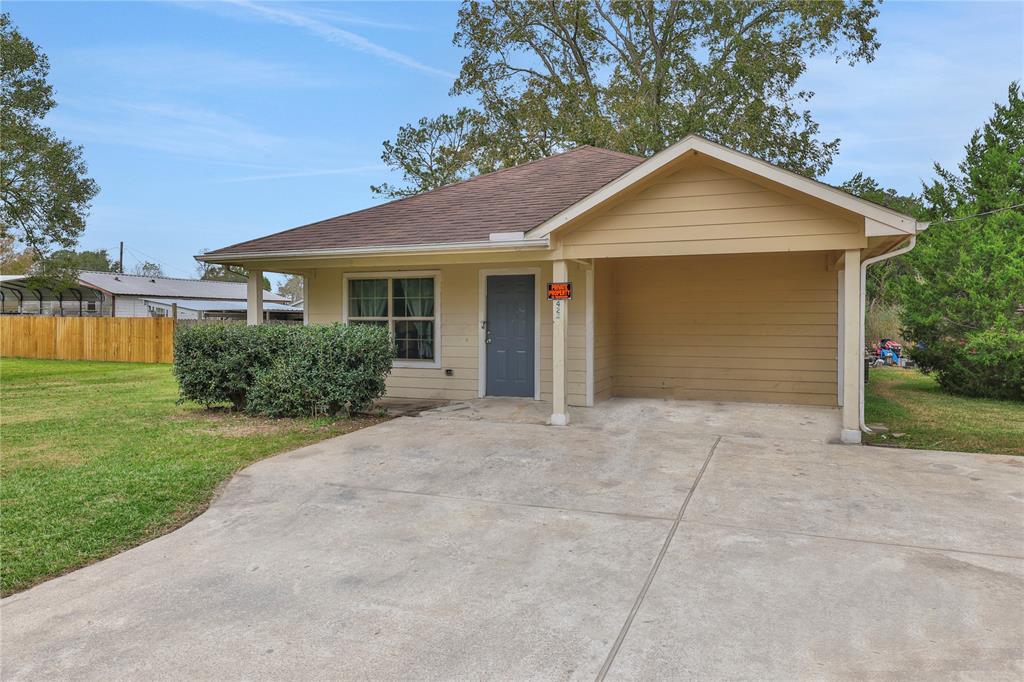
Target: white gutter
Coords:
[(511, 245), (863, 306)]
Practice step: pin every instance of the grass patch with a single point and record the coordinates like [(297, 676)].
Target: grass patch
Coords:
[(97, 458), (918, 414)]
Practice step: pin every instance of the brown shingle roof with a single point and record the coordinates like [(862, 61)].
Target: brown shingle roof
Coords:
[(515, 199)]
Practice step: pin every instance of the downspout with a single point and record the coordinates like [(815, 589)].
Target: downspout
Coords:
[(863, 306)]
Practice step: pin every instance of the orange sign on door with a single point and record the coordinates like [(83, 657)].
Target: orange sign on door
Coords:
[(559, 291)]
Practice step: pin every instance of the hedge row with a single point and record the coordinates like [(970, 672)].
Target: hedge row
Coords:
[(283, 370), (985, 364)]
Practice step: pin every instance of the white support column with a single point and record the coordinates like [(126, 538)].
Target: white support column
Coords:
[(840, 341), (305, 299), (590, 334), (853, 347), (559, 346), (254, 298)]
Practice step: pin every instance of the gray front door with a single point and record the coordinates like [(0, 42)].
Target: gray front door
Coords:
[(510, 335)]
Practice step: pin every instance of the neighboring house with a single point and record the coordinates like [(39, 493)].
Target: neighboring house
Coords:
[(205, 309), (698, 273), (112, 294)]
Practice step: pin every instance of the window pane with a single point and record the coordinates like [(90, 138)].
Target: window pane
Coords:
[(414, 340), (414, 297), (368, 298), (373, 323)]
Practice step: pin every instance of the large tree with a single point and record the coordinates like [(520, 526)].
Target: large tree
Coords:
[(225, 273), (433, 152), (98, 260), (635, 77), (963, 301), (14, 258), (292, 287), (45, 192), (883, 278), (148, 269)]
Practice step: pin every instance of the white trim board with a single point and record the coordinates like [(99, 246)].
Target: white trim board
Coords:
[(589, 279), (482, 316), (881, 219), (501, 245)]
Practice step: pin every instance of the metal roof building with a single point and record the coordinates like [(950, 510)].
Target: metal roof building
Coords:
[(113, 294)]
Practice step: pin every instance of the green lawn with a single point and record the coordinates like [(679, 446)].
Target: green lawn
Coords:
[(96, 457), (919, 415)]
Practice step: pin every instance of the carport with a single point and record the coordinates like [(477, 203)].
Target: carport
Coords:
[(698, 273), (745, 328)]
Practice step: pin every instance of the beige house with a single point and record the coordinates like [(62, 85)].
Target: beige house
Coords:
[(699, 273)]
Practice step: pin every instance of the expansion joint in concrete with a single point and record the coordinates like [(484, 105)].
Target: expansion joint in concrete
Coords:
[(638, 602)]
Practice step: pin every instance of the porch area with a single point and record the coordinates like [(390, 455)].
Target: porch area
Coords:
[(746, 328), (627, 415), (763, 328)]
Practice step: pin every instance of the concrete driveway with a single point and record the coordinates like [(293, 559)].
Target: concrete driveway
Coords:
[(649, 540)]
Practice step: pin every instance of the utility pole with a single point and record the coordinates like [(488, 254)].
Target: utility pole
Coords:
[(120, 260)]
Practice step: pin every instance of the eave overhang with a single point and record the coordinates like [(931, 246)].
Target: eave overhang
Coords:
[(368, 251)]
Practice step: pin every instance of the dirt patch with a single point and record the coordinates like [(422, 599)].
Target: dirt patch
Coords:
[(224, 422), (221, 422)]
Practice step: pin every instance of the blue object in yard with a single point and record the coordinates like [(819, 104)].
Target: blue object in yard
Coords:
[(889, 356)]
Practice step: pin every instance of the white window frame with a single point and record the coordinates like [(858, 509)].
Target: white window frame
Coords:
[(538, 297), (401, 274)]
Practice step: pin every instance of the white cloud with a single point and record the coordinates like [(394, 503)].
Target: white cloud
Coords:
[(172, 67), (346, 18), (164, 127), (312, 23), (354, 170), (931, 85)]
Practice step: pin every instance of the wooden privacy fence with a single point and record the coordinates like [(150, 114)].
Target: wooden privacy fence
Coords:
[(118, 339)]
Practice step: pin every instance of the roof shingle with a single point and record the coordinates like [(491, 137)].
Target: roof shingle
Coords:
[(514, 199)]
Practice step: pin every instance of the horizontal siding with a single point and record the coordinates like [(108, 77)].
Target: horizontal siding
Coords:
[(704, 210), (758, 328), (745, 396), (460, 331)]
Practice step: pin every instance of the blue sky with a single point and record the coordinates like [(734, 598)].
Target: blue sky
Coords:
[(206, 124)]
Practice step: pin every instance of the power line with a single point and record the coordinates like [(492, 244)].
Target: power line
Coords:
[(978, 215), (152, 259)]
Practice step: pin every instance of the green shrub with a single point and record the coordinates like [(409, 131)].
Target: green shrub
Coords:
[(963, 295), (217, 363), (283, 370), (989, 363)]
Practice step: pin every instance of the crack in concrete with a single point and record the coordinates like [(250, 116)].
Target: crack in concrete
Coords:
[(840, 538), (603, 672)]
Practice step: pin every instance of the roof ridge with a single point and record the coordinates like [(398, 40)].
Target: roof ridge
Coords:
[(509, 168), (625, 155), (429, 191), (176, 279)]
